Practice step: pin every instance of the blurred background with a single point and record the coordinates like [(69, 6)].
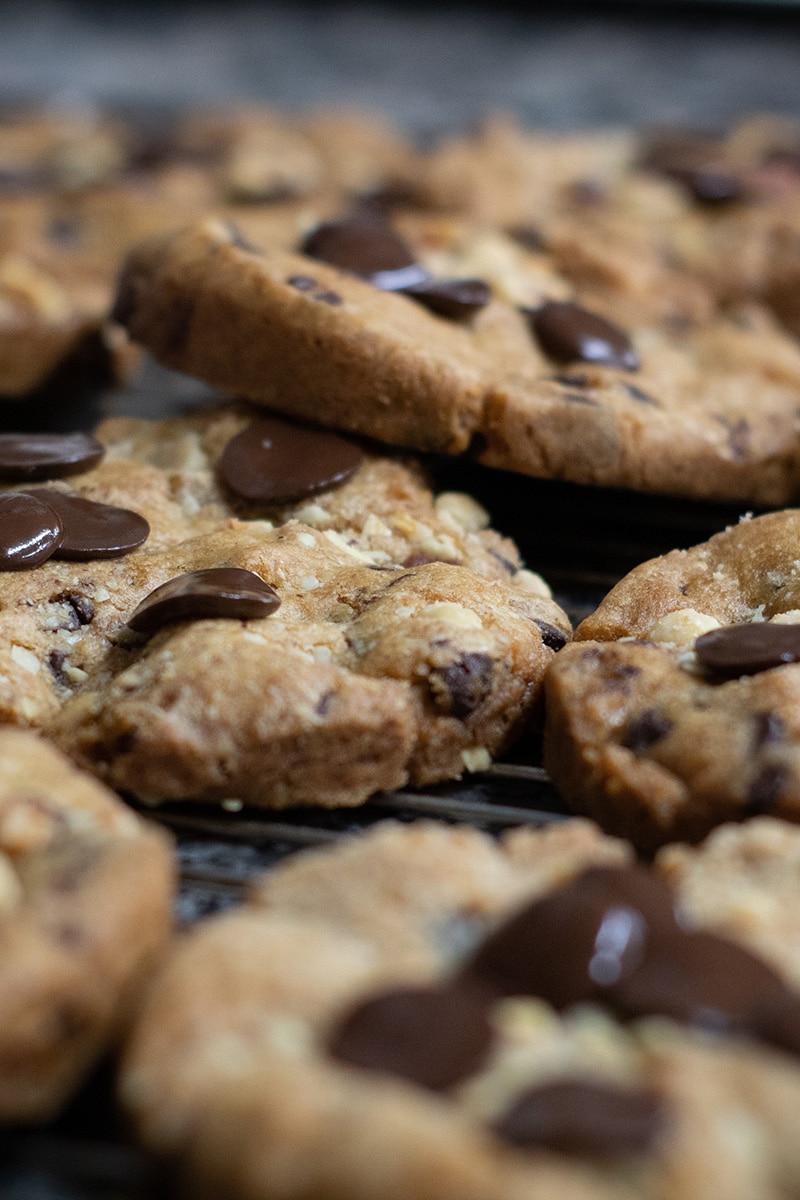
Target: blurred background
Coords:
[(428, 66)]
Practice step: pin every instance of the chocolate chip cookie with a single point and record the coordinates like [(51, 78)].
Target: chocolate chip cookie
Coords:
[(556, 387), (389, 1014), (85, 911), (232, 607), (676, 707)]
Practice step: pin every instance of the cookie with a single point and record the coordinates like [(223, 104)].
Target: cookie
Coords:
[(349, 1031), (409, 643), (558, 389), (675, 709), (85, 912)]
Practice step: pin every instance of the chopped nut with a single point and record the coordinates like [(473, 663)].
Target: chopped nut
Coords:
[(682, 628)]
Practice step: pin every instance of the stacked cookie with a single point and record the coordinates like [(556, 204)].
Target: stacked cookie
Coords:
[(265, 602)]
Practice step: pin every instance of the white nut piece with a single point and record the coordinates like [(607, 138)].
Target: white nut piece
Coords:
[(461, 512), (682, 628), (531, 583), (792, 617)]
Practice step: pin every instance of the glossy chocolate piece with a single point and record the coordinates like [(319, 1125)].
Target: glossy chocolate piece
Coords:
[(29, 531), (568, 333), (578, 942), (747, 649), (362, 244), (31, 456), (700, 979), (94, 530), (584, 1117), (272, 461), (204, 595), (434, 1038), (455, 299)]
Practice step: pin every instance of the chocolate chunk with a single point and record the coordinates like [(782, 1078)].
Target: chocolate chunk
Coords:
[(29, 531), (713, 185), (646, 729), (569, 333), (272, 461), (747, 649), (584, 1117), (697, 978), (219, 592), (93, 530), (32, 456), (55, 661), (303, 283), (576, 943), (462, 686), (766, 789), (433, 1038), (363, 244), (553, 637), (769, 728), (456, 299), (81, 608)]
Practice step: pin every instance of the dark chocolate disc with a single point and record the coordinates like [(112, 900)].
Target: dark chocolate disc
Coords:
[(569, 333), (31, 456), (218, 592), (29, 531), (584, 1117), (456, 299), (93, 530), (747, 649), (272, 461), (576, 943), (362, 244), (433, 1038)]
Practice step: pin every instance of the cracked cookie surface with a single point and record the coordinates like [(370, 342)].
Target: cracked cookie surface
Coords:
[(409, 645)]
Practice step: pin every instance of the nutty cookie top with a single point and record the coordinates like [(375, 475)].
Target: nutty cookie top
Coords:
[(364, 1035), (676, 708), (85, 900), (552, 387), (408, 642)]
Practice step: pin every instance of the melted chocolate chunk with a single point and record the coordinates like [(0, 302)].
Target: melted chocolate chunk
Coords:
[(31, 456), (747, 649), (646, 729), (553, 637), (568, 333), (272, 461), (362, 244), (462, 686), (700, 979), (580, 941), (583, 1117), (433, 1038), (93, 530), (80, 606), (219, 592), (29, 531), (456, 299)]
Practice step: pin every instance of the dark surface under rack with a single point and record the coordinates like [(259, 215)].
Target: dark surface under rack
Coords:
[(582, 540)]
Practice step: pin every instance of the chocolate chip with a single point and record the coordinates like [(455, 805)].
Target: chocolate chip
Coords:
[(769, 728), (455, 299), (697, 978), (31, 456), (323, 705), (303, 283), (646, 729), (583, 1117), (29, 531), (576, 943), (55, 661), (218, 592), (433, 1038), (747, 649), (713, 185), (93, 530), (363, 244), (568, 333), (553, 637), (273, 461), (82, 607), (766, 789), (332, 298), (462, 686)]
